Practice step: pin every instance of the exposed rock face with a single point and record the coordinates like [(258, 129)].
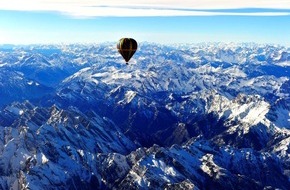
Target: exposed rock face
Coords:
[(202, 116)]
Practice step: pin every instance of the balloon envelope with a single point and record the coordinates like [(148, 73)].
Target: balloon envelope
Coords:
[(127, 47)]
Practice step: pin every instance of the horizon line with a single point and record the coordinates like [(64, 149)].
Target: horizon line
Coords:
[(141, 42)]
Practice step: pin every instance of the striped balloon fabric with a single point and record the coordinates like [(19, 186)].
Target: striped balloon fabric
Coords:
[(127, 47)]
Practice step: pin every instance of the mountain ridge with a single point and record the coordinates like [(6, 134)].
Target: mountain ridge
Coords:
[(206, 116)]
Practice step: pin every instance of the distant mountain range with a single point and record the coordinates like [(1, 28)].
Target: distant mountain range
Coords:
[(187, 116)]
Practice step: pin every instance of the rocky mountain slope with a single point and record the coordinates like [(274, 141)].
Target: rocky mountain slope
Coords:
[(202, 116)]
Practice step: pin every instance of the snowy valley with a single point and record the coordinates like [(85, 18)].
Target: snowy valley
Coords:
[(185, 116)]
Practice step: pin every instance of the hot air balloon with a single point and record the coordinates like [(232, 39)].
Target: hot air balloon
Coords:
[(127, 47)]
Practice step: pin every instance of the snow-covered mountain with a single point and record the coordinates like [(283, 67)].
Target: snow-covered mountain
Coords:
[(202, 116)]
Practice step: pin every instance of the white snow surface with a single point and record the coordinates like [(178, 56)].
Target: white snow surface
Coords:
[(190, 82)]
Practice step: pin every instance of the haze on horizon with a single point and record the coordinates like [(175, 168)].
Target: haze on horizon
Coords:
[(159, 21)]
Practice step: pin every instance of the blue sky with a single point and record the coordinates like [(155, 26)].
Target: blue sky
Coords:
[(62, 22)]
